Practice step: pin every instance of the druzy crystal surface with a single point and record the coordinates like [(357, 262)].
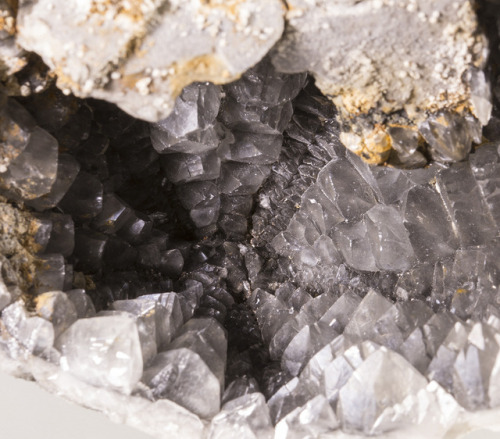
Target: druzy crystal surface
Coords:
[(234, 270)]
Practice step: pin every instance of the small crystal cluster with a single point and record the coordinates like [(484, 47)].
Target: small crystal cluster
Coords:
[(219, 150), (234, 269)]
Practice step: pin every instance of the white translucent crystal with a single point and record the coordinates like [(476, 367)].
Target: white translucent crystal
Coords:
[(336, 375), (432, 407), (103, 351), (354, 243), (340, 177), (480, 95), (383, 380), (34, 334), (309, 314), (389, 239), (310, 420), (34, 171), (271, 313), (465, 205), (5, 296), (429, 225), (304, 345), (166, 420), (369, 310), (195, 109), (485, 165), (246, 416), (147, 337)]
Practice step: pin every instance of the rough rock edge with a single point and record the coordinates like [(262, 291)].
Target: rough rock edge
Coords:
[(130, 74), (18, 247), (365, 112)]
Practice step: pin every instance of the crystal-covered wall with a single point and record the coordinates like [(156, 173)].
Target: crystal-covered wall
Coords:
[(233, 268)]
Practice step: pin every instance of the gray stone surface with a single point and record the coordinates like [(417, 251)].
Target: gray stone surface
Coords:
[(141, 54), (370, 68)]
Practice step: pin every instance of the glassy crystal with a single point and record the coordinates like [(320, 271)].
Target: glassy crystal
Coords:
[(103, 351), (184, 168), (389, 239), (485, 164), (62, 236), (82, 302), (447, 135), (480, 95), (169, 318), (206, 338), (195, 109), (248, 415), (370, 390), (89, 249), (310, 420), (465, 205), (183, 377), (67, 170), (431, 232), (57, 308), (113, 215), (34, 334), (83, 200), (372, 307), (33, 173)]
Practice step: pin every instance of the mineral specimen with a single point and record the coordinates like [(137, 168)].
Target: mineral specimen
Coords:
[(230, 268)]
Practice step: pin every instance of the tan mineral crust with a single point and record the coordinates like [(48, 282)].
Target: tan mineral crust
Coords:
[(139, 54), (17, 247)]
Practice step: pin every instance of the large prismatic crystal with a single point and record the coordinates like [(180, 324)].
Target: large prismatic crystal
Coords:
[(233, 262)]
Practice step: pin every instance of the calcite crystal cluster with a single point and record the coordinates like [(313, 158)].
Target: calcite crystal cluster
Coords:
[(223, 265)]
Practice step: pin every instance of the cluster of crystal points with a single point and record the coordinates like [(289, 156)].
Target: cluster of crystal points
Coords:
[(360, 299), (219, 151)]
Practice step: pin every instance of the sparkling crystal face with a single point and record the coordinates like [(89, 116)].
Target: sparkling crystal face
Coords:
[(234, 269)]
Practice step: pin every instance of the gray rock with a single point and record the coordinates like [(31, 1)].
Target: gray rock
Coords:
[(140, 55), (386, 65)]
